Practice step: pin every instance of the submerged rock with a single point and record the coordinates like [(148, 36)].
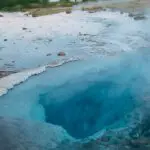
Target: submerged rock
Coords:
[(50, 40), (139, 142), (105, 138), (1, 15), (13, 61), (123, 143)]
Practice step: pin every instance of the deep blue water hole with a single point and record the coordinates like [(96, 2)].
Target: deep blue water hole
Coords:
[(91, 110), (84, 107), (99, 99)]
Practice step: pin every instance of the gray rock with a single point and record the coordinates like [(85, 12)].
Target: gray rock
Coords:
[(139, 17), (92, 11), (24, 28)]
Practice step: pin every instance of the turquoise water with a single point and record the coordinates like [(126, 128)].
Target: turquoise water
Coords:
[(83, 97)]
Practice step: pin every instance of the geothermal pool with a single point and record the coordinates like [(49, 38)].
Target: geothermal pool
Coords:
[(87, 98), (100, 91)]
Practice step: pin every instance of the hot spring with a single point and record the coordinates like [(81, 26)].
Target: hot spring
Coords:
[(96, 106), (101, 98), (101, 91), (84, 100)]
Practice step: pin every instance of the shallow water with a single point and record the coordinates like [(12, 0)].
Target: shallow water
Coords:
[(84, 97)]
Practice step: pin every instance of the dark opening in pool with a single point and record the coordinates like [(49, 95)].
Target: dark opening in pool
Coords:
[(100, 105)]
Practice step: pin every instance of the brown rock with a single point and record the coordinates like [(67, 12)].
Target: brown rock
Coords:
[(68, 11), (61, 54)]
